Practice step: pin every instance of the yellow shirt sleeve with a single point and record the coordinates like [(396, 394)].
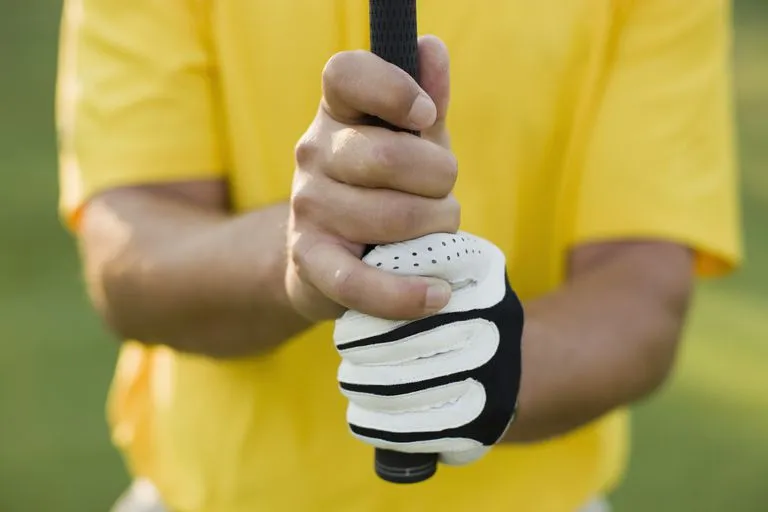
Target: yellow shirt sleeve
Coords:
[(660, 158), (136, 97)]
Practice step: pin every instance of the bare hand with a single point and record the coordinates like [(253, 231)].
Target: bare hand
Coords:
[(356, 185)]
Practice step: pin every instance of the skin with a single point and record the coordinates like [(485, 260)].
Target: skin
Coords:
[(172, 264), (607, 338)]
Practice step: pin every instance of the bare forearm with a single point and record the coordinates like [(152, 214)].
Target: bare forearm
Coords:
[(605, 340), (168, 272)]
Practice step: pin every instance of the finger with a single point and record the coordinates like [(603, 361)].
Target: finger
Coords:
[(372, 216), (378, 158), (434, 76), (359, 83), (346, 280), (432, 418), (411, 402), (443, 351), (307, 300)]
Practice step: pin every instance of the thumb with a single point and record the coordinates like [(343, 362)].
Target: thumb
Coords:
[(434, 78)]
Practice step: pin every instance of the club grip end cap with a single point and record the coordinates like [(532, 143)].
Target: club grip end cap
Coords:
[(405, 468)]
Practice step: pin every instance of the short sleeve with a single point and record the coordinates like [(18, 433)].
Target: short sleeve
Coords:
[(660, 161), (136, 99)]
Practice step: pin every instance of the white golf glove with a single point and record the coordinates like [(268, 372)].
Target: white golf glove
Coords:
[(445, 384)]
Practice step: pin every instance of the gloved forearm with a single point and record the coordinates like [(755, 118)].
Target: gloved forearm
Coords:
[(605, 339)]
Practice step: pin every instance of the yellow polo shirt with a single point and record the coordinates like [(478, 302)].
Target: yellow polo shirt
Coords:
[(573, 122)]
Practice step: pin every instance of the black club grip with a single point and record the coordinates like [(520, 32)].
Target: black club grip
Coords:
[(394, 38)]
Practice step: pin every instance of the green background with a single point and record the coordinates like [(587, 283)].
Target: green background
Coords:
[(700, 445)]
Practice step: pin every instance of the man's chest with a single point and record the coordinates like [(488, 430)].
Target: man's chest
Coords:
[(508, 56), (519, 70)]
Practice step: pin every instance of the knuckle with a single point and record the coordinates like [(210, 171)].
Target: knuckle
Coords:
[(306, 151), (335, 67), (304, 200)]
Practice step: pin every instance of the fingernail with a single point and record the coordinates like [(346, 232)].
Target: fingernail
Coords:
[(423, 112), (438, 295)]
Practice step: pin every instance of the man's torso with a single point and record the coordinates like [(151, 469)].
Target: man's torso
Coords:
[(270, 433)]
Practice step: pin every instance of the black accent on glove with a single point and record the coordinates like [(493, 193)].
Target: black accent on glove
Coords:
[(500, 376)]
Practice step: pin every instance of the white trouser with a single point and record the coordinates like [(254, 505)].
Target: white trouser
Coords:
[(143, 497), (599, 505)]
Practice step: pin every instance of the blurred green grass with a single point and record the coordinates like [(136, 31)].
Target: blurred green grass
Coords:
[(701, 445)]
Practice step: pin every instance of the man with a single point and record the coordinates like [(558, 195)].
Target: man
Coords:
[(594, 140)]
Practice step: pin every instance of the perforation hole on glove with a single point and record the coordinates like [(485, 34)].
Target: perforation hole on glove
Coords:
[(425, 256)]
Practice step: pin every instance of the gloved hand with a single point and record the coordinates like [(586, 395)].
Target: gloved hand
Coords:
[(445, 384)]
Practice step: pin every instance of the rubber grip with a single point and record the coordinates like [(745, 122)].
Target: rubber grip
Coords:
[(394, 38)]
